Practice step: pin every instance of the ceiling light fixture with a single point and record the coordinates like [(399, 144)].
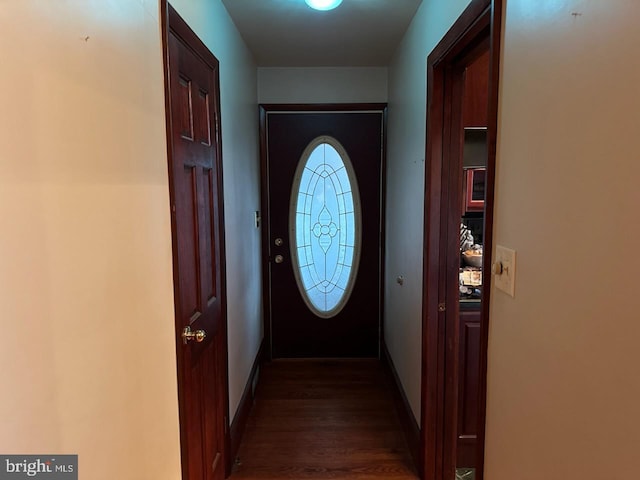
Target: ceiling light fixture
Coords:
[(323, 4)]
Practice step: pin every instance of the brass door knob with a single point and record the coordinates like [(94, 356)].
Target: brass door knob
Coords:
[(189, 336)]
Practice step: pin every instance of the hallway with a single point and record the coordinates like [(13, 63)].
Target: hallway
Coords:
[(324, 419)]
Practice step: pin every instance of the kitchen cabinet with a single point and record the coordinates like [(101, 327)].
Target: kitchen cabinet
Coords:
[(476, 92), (468, 383), (474, 189)]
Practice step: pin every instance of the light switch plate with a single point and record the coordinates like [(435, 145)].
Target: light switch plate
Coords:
[(506, 281)]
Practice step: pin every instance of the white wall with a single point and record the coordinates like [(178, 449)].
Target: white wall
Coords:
[(241, 174), (405, 189), (563, 382), (86, 287), (86, 294), (322, 85)]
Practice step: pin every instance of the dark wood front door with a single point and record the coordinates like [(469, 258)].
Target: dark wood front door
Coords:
[(198, 251), (296, 330)]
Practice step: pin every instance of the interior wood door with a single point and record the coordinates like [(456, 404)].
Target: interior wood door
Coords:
[(297, 330), (198, 252)]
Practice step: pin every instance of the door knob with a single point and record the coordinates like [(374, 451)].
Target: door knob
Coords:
[(188, 335), (279, 259)]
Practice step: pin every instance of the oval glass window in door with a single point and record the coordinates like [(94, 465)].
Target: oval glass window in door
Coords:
[(325, 226)]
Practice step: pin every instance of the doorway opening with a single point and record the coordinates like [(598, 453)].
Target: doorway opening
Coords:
[(329, 350), (462, 76)]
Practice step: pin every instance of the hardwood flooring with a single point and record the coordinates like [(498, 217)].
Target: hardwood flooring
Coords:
[(324, 419)]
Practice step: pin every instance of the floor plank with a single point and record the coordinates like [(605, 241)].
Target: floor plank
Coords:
[(324, 419)]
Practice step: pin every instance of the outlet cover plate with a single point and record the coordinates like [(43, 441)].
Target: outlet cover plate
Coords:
[(507, 280)]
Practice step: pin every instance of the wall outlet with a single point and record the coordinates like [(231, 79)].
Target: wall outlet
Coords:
[(504, 270)]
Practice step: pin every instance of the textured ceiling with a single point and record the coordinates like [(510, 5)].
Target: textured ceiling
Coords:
[(287, 33)]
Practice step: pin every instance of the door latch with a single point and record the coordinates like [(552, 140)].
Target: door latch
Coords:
[(188, 335)]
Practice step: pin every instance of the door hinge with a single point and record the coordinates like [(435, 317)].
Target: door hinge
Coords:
[(442, 307)]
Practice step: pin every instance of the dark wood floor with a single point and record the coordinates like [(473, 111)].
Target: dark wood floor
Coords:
[(324, 419)]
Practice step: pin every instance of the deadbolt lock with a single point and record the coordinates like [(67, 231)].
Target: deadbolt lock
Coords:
[(278, 242)]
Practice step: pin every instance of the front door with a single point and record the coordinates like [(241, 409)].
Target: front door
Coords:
[(324, 172), (198, 251)]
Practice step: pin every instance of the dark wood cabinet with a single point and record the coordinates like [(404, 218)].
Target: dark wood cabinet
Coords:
[(476, 92), (474, 189), (469, 372)]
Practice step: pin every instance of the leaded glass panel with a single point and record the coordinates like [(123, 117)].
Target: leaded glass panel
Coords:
[(325, 226)]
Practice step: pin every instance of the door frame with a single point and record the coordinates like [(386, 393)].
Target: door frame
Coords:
[(172, 21), (481, 19), (264, 110)]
